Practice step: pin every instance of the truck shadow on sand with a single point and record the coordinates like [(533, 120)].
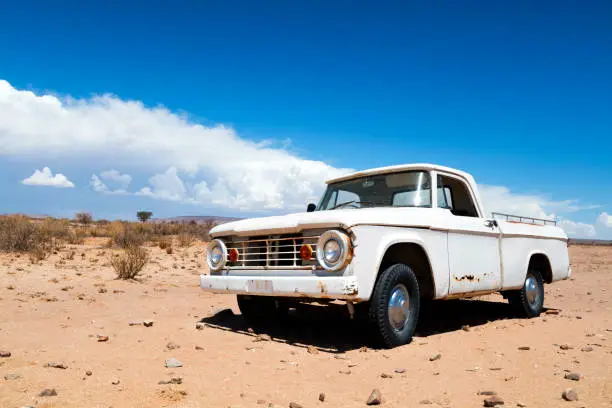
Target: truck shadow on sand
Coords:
[(329, 328)]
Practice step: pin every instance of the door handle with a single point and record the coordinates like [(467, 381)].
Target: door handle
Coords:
[(491, 223)]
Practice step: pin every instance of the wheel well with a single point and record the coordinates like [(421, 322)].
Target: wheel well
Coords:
[(414, 256), (541, 263)]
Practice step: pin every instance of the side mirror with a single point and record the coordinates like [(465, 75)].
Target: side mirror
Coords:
[(311, 207)]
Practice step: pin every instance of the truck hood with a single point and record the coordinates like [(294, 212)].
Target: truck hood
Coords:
[(342, 218)]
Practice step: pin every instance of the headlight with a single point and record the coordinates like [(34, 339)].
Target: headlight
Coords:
[(216, 255), (334, 250)]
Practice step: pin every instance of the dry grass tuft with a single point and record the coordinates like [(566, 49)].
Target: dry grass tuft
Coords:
[(130, 263), (164, 243), (185, 239)]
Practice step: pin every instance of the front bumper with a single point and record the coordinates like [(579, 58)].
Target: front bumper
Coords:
[(328, 287)]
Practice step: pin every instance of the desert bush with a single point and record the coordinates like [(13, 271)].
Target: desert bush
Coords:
[(126, 235), (38, 252), (185, 239), (130, 262), (164, 243), (83, 218), (18, 234), (169, 250)]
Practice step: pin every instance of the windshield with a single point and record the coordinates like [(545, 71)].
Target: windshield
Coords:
[(405, 189)]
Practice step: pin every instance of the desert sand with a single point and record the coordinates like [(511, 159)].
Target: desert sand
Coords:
[(75, 314)]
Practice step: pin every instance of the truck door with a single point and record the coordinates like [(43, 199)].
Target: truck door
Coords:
[(473, 242)]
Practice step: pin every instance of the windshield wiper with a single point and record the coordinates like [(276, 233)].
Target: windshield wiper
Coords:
[(351, 203)]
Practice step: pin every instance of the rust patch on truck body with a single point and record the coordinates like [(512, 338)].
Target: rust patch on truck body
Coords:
[(470, 278)]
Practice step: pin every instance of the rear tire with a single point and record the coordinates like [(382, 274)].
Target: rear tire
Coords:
[(394, 306), (529, 300)]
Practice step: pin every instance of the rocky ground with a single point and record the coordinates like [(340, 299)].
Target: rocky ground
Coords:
[(73, 336)]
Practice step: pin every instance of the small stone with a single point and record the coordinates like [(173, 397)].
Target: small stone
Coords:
[(147, 323), (521, 404), (552, 311), (313, 350), (322, 397), (399, 370), (573, 376), (199, 348), (88, 373), (385, 375), (579, 317), (4, 353), (570, 395), (173, 363), (493, 401), (565, 347), (375, 397), (199, 326), (436, 357), (172, 346), (347, 372), (115, 382), (363, 349), (173, 380), (102, 290), (48, 392), (487, 392), (425, 402), (102, 338), (10, 377), (262, 337), (465, 327), (587, 349), (524, 348), (55, 364), (136, 323), (295, 405)]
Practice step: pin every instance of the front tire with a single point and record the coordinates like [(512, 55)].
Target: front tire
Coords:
[(394, 306), (529, 300)]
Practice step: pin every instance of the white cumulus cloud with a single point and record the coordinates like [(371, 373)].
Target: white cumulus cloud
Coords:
[(214, 165), (605, 220), (118, 182), (45, 177)]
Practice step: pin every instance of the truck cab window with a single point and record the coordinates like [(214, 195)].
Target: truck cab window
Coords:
[(454, 195)]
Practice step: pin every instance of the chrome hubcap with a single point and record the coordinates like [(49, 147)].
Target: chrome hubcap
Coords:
[(399, 307), (531, 291)]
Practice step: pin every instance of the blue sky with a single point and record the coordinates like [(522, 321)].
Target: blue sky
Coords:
[(518, 93)]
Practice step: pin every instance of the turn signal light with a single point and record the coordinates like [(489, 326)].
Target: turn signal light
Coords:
[(233, 255), (306, 252)]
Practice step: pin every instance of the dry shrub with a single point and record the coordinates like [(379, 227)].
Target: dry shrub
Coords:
[(125, 235), (77, 236), (169, 250), (164, 243), (17, 234), (130, 262), (185, 239), (83, 218), (38, 253)]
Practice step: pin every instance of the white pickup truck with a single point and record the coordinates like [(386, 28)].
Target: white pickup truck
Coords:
[(384, 240)]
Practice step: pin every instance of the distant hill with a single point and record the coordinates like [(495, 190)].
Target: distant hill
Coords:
[(583, 241), (200, 219)]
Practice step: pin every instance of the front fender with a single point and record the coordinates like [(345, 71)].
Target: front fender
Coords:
[(372, 242)]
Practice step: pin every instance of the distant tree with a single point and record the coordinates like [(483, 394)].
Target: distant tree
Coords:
[(144, 216), (83, 218)]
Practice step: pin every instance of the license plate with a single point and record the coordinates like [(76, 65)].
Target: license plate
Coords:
[(260, 286)]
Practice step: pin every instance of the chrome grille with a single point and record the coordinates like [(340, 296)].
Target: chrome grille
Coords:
[(270, 252)]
